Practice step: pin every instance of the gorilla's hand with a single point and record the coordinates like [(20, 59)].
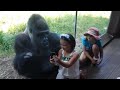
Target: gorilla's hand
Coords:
[(28, 55)]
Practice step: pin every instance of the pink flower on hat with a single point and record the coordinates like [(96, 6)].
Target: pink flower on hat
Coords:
[(93, 31)]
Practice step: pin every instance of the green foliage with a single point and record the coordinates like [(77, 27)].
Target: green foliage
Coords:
[(17, 28), (8, 40), (64, 24), (60, 25), (84, 22), (1, 37)]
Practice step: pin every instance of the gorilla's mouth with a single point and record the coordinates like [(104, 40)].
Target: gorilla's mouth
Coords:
[(44, 43)]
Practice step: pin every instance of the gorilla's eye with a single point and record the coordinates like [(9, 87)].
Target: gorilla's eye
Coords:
[(38, 35), (46, 33), (41, 35)]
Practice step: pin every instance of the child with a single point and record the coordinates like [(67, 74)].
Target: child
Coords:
[(92, 47), (67, 58)]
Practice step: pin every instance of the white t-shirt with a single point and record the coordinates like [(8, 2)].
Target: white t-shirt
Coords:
[(72, 71)]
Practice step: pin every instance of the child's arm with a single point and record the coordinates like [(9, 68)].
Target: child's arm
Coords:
[(59, 56), (52, 61), (101, 49), (88, 55), (68, 64)]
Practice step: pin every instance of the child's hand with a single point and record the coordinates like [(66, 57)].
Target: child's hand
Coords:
[(52, 60), (56, 59), (93, 61)]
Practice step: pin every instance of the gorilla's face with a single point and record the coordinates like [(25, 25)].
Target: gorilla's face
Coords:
[(38, 31), (40, 42), (41, 39)]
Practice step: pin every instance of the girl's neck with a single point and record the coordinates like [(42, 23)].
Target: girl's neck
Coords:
[(67, 52)]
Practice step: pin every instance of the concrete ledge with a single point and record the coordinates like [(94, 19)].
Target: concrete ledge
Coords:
[(106, 39)]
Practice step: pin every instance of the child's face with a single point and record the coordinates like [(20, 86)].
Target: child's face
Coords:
[(91, 39), (65, 45)]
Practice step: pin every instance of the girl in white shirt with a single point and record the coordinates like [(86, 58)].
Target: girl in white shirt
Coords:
[(67, 58)]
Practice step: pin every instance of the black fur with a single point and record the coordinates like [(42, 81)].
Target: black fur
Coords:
[(38, 65)]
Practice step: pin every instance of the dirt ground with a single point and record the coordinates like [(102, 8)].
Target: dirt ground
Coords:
[(7, 71)]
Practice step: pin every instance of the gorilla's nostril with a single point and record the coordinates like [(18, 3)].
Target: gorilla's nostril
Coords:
[(45, 43)]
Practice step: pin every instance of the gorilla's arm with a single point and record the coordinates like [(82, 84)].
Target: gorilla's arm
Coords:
[(22, 43), (22, 46)]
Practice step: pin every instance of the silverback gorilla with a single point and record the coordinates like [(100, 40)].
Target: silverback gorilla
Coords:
[(33, 48)]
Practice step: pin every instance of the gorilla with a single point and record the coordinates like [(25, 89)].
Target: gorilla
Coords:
[(33, 48)]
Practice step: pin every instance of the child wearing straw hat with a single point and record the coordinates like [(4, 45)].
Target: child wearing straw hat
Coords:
[(92, 48)]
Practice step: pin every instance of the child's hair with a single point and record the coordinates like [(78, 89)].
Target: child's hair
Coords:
[(70, 39)]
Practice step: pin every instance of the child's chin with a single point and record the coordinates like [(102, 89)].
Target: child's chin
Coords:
[(91, 42)]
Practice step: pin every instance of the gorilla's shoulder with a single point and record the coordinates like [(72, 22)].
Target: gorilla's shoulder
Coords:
[(22, 36), (22, 40)]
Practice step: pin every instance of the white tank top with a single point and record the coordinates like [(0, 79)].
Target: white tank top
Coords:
[(72, 71)]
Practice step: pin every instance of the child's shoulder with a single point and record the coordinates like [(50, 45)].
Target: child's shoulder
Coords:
[(83, 38), (75, 53)]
